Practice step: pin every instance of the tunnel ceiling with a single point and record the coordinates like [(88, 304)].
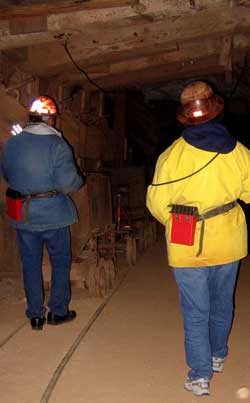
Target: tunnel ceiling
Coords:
[(127, 43)]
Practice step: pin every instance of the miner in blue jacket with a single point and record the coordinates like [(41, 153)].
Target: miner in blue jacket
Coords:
[(39, 167)]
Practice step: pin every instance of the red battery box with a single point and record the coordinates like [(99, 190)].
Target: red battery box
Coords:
[(183, 224), (14, 204), (14, 209)]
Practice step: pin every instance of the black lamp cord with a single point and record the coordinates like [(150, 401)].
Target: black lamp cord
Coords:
[(187, 176)]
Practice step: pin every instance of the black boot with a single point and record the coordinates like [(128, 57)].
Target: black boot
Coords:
[(53, 319), (37, 323)]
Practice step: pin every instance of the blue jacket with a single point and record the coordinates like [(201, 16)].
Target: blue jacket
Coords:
[(38, 163)]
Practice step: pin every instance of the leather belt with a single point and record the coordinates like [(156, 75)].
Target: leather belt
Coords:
[(212, 213), (39, 195)]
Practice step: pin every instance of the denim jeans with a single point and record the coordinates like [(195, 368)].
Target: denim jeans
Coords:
[(206, 298), (31, 246)]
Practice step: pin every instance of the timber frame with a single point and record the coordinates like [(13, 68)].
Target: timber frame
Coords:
[(129, 43)]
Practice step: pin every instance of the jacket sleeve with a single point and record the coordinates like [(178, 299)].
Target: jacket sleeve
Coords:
[(245, 172), (245, 193), (158, 197), (66, 176)]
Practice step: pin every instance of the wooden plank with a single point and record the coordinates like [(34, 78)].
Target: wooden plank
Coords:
[(153, 75), (153, 11), (124, 33), (159, 77), (36, 7), (189, 54), (226, 48), (93, 44), (122, 39), (225, 58), (164, 74), (8, 41), (26, 25), (90, 64), (186, 55), (147, 54)]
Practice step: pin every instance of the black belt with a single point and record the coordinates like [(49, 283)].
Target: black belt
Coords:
[(209, 214), (39, 195)]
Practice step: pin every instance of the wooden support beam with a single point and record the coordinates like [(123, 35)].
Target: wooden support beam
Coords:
[(186, 55), (154, 74), (233, 3), (104, 57), (145, 7), (33, 7), (225, 58), (176, 15), (189, 54), (123, 38), (132, 60), (27, 25), (158, 77), (226, 48)]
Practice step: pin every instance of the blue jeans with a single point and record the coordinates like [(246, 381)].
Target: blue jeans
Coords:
[(58, 246), (206, 297)]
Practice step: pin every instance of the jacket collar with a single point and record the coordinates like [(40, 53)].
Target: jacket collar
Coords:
[(41, 129), (210, 136)]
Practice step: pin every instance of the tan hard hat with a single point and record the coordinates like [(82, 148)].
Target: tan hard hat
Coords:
[(198, 104)]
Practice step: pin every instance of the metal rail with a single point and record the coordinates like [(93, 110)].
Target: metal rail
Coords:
[(12, 334), (65, 360)]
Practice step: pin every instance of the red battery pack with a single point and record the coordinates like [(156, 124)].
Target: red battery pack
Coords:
[(14, 209), (14, 202), (183, 224)]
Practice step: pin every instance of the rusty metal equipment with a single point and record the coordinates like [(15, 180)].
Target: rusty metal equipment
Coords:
[(101, 251), (129, 189), (99, 236), (90, 269), (109, 225), (92, 239), (125, 233)]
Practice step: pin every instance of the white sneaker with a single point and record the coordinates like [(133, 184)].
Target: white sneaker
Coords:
[(199, 387), (217, 364)]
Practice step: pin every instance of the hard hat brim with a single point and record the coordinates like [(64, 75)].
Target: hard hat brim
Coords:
[(215, 109)]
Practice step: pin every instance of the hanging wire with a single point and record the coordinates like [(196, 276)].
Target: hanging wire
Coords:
[(187, 176), (80, 69)]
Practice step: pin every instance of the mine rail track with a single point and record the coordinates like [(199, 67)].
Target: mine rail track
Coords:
[(13, 333), (67, 356)]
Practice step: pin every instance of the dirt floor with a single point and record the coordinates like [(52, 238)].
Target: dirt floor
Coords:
[(127, 348)]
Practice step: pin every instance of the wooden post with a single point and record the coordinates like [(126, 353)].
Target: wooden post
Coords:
[(60, 100), (225, 58), (119, 128), (83, 128)]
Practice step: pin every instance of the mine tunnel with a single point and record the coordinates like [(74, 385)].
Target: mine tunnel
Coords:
[(116, 71)]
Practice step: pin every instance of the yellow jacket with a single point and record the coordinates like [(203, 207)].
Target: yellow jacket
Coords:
[(226, 179)]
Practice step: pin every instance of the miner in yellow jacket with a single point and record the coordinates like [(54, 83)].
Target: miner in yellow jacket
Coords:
[(194, 193)]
